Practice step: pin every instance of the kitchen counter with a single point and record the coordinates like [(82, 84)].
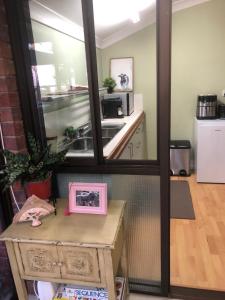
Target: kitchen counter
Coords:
[(118, 139), (115, 143)]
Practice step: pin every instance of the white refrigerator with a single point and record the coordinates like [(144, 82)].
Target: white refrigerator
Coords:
[(210, 151)]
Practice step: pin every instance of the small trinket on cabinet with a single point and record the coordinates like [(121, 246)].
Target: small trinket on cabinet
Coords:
[(33, 209)]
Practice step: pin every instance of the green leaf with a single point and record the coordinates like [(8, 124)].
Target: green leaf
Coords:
[(33, 166)]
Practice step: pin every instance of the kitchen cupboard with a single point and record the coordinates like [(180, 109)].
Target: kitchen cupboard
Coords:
[(136, 146)]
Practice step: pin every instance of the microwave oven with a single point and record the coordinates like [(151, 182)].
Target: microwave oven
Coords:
[(127, 100)]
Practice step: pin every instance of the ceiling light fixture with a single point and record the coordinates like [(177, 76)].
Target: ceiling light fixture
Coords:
[(109, 13), (135, 18)]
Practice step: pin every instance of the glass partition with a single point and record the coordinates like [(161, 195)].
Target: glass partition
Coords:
[(143, 225), (60, 75), (126, 37)]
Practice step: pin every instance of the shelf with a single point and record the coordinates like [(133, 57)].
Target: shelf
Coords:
[(56, 102)]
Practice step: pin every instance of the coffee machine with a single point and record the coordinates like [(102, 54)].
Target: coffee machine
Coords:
[(112, 108), (206, 107)]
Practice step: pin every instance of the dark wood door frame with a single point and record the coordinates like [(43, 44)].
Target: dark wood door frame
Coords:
[(21, 37), (5, 199), (195, 294), (90, 46), (164, 14)]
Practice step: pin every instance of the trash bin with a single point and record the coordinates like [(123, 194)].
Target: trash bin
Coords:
[(180, 157)]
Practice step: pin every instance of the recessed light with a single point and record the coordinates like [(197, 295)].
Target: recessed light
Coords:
[(109, 13), (135, 18)]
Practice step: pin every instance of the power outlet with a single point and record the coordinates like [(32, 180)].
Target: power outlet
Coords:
[(223, 93)]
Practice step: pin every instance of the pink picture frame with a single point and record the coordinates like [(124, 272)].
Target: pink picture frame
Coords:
[(88, 198)]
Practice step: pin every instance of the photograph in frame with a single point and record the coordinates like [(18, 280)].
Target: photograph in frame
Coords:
[(90, 198), (121, 70)]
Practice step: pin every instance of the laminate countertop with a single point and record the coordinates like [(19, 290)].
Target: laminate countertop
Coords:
[(130, 122), (115, 142)]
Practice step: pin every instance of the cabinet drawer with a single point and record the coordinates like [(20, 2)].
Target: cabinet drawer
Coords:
[(79, 263), (39, 260)]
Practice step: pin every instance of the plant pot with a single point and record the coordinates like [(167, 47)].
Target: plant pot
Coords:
[(41, 189), (110, 90)]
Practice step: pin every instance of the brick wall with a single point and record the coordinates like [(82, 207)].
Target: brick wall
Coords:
[(11, 122), (10, 113)]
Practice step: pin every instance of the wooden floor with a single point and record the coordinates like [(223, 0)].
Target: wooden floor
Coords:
[(198, 246)]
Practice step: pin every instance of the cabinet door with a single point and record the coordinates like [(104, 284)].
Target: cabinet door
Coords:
[(127, 152), (137, 144), (40, 260), (210, 153), (79, 263)]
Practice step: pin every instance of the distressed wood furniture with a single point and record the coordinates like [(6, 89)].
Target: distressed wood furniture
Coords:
[(82, 249)]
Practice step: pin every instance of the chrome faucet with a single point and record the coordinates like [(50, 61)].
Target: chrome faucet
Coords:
[(82, 130)]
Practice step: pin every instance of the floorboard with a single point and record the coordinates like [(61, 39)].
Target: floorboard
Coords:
[(198, 246)]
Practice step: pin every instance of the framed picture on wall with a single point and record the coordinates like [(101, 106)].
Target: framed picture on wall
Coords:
[(121, 70), (89, 198)]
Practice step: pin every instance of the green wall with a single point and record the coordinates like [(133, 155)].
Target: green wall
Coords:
[(198, 62), (68, 57), (198, 65)]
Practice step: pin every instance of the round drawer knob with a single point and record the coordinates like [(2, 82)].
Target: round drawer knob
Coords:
[(54, 263), (60, 264)]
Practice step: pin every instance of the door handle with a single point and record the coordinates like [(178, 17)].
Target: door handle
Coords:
[(138, 130), (130, 151)]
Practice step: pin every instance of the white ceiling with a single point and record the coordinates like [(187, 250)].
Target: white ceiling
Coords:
[(68, 18)]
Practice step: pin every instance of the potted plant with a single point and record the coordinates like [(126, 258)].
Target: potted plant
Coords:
[(110, 84), (70, 132), (32, 169)]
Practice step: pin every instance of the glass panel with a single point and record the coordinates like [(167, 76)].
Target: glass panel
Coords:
[(61, 74), (142, 194), (198, 68), (126, 42)]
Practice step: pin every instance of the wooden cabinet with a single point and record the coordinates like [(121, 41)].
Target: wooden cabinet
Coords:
[(38, 260), (59, 262), (78, 249), (79, 263), (127, 152), (136, 146)]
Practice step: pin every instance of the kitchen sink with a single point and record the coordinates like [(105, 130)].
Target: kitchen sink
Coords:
[(82, 144), (108, 130), (85, 143)]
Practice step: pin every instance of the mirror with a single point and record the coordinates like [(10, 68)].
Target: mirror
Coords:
[(126, 42), (60, 74)]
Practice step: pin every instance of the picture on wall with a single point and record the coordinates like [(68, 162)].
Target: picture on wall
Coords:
[(121, 70), (88, 198)]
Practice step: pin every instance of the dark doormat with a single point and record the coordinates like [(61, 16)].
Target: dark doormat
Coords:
[(180, 200)]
